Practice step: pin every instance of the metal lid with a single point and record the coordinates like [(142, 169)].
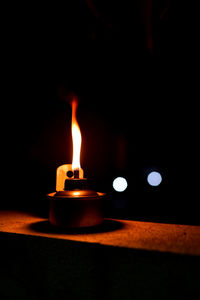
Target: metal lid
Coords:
[(76, 194)]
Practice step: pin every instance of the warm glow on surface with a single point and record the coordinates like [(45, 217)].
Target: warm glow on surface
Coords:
[(76, 137)]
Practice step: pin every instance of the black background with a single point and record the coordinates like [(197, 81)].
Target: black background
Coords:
[(135, 70)]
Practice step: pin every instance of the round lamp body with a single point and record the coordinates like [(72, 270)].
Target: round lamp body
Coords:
[(76, 208)]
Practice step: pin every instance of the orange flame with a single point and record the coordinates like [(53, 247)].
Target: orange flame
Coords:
[(76, 137)]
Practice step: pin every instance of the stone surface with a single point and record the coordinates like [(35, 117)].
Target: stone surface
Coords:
[(180, 239), (118, 260)]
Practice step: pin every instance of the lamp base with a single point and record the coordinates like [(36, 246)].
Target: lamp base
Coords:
[(76, 208)]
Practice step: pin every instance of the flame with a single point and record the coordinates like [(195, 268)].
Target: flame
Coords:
[(76, 137)]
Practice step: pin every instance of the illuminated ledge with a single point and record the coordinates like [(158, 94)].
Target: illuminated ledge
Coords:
[(180, 239), (120, 260)]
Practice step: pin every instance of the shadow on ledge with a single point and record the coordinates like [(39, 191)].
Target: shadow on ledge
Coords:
[(106, 226)]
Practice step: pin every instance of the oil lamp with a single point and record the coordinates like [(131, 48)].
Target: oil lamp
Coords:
[(74, 205)]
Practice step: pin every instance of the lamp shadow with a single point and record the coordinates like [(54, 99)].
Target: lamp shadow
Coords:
[(106, 226)]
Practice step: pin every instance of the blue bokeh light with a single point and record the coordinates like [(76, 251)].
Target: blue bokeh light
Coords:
[(154, 178)]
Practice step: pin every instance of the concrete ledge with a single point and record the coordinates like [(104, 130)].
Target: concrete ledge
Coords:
[(180, 239), (120, 260)]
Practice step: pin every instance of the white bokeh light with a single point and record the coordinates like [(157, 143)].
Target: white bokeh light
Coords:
[(154, 178), (120, 184)]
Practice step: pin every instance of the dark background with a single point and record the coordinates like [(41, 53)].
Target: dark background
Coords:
[(135, 69)]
